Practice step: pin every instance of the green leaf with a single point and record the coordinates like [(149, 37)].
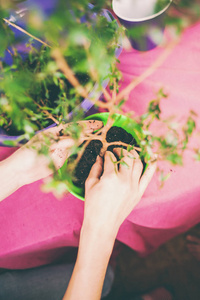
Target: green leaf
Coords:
[(175, 159), (130, 147), (10, 143), (160, 5), (197, 154), (191, 125), (123, 163), (119, 105), (164, 177), (154, 108)]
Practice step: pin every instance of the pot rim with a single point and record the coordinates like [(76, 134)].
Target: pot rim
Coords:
[(71, 187)]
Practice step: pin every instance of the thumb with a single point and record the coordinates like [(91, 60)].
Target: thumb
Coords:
[(95, 173)]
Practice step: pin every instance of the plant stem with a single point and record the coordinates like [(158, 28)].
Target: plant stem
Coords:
[(106, 95), (157, 63), (47, 113), (63, 66), (26, 32)]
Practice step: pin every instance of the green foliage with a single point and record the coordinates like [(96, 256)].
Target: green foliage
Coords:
[(38, 92), (6, 35), (160, 5), (34, 91), (197, 154), (175, 159), (163, 177), (183, 14)]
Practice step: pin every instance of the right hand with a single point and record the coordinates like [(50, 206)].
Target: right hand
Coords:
[(110, 197), (31, 166)]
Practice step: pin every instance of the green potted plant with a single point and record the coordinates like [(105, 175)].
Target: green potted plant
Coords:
[(84, 48), (118, 131)]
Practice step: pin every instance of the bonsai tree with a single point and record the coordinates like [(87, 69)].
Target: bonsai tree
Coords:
[(51, 65)]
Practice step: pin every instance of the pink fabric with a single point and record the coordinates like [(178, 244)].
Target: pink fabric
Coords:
[(36, 228)]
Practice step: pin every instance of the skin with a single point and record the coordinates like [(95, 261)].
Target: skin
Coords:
[(26, 166), (110, 195), (110, 198)]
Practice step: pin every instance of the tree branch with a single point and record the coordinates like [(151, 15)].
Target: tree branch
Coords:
[(26, 32), (67, 71), (159, 61)]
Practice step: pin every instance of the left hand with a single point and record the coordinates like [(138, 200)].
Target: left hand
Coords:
[(31, 166), (110, 197)]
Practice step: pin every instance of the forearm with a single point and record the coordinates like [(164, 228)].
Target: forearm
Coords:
[(95, 249), (9, 179)]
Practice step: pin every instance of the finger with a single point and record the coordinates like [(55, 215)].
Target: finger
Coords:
[(59, 156), (137, 167), (63, 143), (131, 165), (53, 130), (95, 173), (60, 151), (127, 160), (193, 239), (146, 177), (88, 126), (109, 163)]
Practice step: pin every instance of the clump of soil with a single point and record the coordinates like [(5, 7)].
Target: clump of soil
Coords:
[(114, 134), (86, 162), (118, 134)]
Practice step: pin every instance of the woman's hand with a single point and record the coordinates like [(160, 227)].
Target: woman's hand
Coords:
[(109, 199), (111, 196), (31, 166)]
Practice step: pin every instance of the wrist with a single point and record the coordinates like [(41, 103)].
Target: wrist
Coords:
[(98, 234), (95, 244), (9, 178), (14, 170), (12, 165)]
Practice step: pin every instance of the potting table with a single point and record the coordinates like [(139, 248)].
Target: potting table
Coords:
[(36, 228)]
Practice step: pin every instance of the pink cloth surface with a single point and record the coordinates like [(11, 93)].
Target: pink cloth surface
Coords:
[(36, 228)]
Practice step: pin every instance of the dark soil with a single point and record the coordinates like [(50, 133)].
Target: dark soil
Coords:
[(86, 162), (91, 152)]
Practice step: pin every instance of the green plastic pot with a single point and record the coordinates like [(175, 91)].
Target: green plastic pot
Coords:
[(120, 121)]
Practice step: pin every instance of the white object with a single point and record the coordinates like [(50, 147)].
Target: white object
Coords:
[(136, 10)]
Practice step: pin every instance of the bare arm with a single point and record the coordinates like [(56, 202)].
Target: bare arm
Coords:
[(9, 179), (26, 166), (109, 200), (94, 252)]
